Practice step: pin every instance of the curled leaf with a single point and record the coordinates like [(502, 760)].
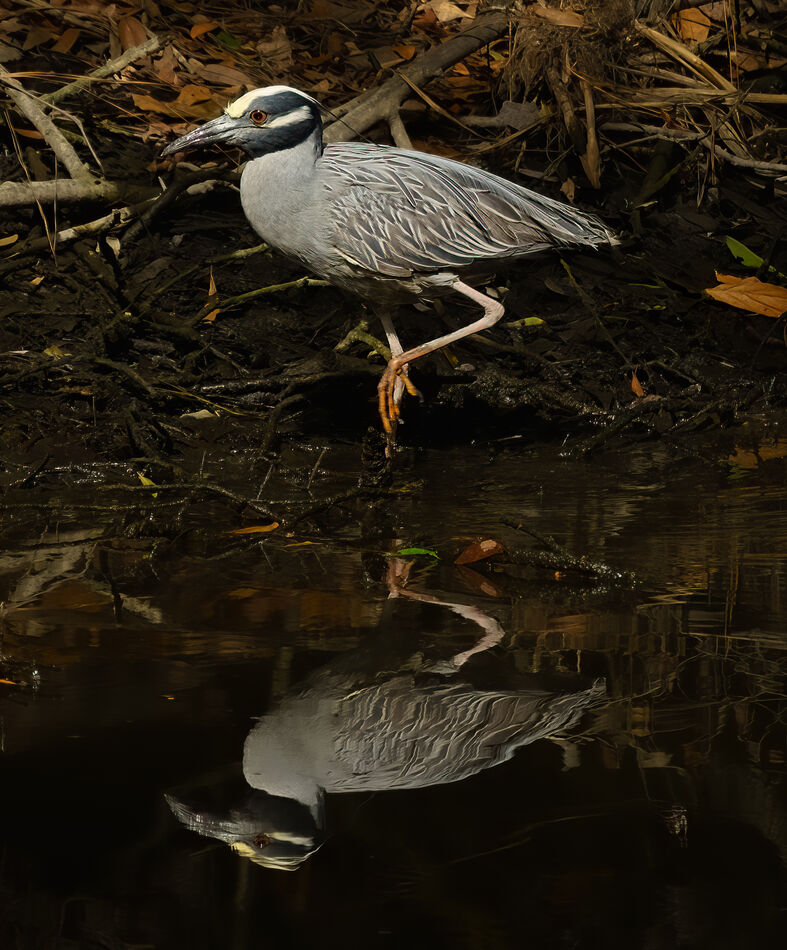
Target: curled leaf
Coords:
[(750, 293)]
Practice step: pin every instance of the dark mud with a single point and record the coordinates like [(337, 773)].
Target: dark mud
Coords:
[(109, 372)]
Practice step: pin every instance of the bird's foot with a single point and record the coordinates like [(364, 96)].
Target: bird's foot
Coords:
[(389, 393)]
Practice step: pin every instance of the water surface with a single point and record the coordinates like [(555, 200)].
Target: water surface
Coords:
[(307, 743)]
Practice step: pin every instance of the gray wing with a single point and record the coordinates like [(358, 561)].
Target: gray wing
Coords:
[(396, 213), (397, 735)]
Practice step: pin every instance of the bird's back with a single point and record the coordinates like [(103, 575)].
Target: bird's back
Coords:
[(400, 214)]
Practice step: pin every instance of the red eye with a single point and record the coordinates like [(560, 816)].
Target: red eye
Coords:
[(258, 116)]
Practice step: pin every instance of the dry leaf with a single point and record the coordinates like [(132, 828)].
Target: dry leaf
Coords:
[(479, 550), (131, 32), (28, 133), (404, 50), (36, 37), (636, 386), (557, 17), (569, 188), (212, 285), (256, 529), (165, 67), (445, 11), (37, 280), (8, 241), (275, 49), (750, 293), (194, 102), (692, 25), (210, 317), (199, 29), (66, 41), (220, 74)]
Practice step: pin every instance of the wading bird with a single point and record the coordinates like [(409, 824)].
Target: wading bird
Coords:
[(387, 223)]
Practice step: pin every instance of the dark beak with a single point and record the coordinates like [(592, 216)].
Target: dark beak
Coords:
[(217, 130)]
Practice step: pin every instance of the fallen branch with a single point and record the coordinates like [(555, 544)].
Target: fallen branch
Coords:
[(108, 69), (63, 149), (378, 104), (16, 194)]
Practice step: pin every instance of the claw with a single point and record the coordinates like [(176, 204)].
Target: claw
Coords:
[(387, 396)]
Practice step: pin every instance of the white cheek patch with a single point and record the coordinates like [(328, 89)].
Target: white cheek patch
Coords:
[(236, 109), (289, 118)]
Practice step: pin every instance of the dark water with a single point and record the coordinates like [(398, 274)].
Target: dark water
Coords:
[(460, 758)]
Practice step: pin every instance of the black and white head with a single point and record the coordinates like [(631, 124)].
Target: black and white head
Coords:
[(266, 120)]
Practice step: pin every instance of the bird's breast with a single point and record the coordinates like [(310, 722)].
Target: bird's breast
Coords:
[(281, 202)]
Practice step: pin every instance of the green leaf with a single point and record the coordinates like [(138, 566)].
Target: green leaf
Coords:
[(742, 254), (148, 483), (748, 258), (414, 552), (228, 40)]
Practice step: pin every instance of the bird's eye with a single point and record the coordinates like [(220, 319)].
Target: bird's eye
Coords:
[(258, 116)]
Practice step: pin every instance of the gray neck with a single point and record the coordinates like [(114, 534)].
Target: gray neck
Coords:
[(278, 193)]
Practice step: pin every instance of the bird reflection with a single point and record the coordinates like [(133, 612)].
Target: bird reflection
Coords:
[(363, 724)]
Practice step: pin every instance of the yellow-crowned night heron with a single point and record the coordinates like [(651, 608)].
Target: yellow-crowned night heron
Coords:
[(384, 222), (377, 719)]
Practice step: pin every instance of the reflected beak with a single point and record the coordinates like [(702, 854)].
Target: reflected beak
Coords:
[(217, 130)]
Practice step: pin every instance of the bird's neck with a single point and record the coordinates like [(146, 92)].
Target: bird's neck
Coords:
[(277, 189), (296, 161)]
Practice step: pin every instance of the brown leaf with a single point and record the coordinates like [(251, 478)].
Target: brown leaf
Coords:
[(557, 17), (404, 50), (211, 317), (479, 550), (194, 102), (636, 386), (692, 25), (66, 41), (750, 293), (165, 67), (220, 74), (569, 189), (199, 29), (445, 11), (275, 49), (131, 32), (28, 133), (36, 37), (256, 529)]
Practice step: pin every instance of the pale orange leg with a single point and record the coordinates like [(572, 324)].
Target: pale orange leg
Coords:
[(386, 388)]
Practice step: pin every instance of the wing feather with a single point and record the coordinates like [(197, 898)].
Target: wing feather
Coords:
[(400, 213)]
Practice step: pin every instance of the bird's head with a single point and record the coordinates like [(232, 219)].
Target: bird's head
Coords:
[(264, 120)]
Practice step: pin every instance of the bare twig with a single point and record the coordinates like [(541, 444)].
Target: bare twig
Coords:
[(108, 69), (703, 138), (398, 131)]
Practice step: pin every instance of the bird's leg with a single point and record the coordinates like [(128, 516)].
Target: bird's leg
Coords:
[(401, 382), (389, 410), (396, 350)]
